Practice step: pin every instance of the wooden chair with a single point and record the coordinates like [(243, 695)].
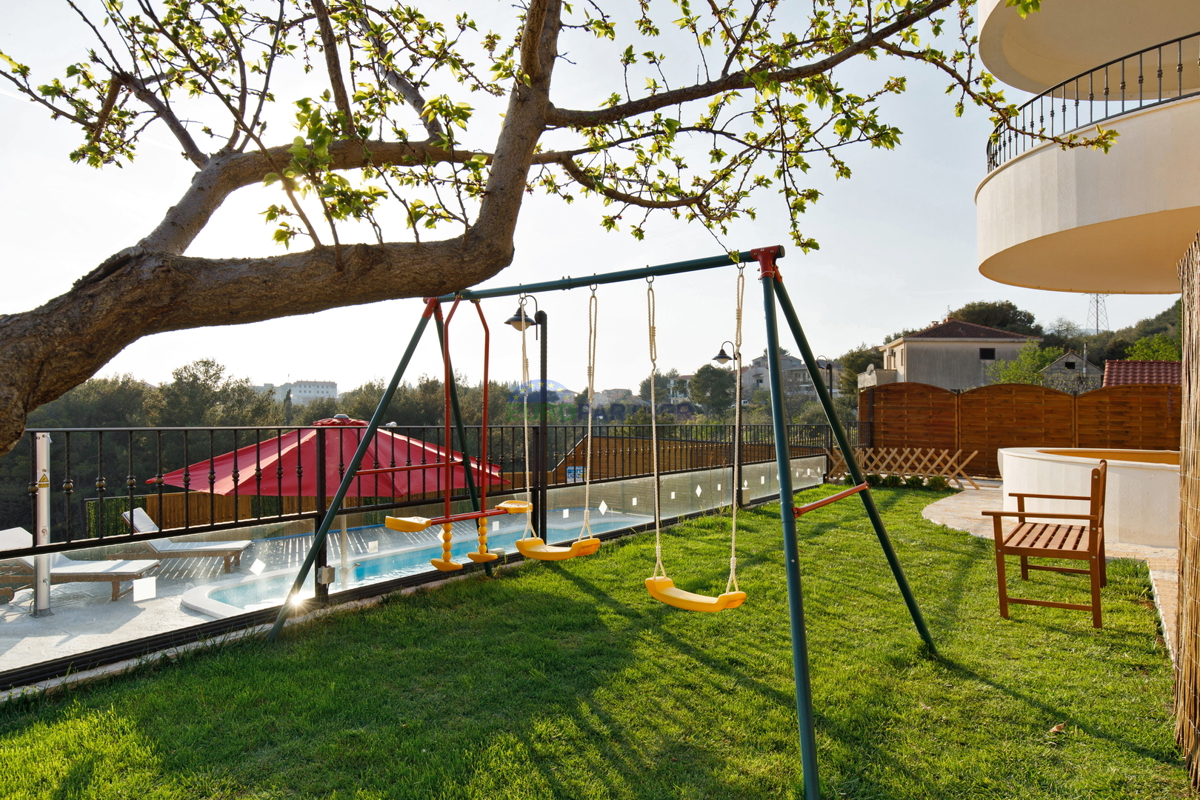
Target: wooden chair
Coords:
[(1032, 538)]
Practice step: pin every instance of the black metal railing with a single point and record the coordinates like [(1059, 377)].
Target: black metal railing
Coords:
[(197, 480), (1160, 74)]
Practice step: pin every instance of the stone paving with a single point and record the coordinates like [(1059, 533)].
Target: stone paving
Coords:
[(962, 512)]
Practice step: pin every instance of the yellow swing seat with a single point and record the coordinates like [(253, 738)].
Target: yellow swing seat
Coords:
[(538, 549), (664, 591)]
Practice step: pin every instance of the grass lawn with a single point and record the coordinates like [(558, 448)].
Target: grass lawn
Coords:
[(569, 681)]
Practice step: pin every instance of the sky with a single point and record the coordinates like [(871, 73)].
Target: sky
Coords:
[(897, 246)]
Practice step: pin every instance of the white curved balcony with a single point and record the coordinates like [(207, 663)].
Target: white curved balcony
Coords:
[(1085, 221), (1068, 37)]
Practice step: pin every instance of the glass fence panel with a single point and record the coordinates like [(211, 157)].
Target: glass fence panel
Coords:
[(121, 592)]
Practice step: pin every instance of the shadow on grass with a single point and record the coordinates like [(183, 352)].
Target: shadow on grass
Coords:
[(569, 681)]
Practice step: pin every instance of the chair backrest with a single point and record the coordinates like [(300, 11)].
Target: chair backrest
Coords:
[(1099, 486), (140, 521)]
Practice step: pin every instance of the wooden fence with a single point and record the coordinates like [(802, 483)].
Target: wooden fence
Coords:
[(899, 415)]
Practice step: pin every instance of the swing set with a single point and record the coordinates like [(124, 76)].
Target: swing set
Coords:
[(660, 586)]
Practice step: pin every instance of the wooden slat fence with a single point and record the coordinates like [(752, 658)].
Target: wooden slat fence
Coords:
[(916, 415)]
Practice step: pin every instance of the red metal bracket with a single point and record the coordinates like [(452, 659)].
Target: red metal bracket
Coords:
[(431, 305), (833, 498), (766, 261)]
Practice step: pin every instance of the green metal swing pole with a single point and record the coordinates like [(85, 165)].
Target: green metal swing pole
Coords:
[(335, 505), (789, 313), (456, 408), (673, 268), (783, 455)]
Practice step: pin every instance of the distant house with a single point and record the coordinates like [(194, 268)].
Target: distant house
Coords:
[(952, 354), (796, 380), (1073, 373), (1124, 373), (303, 392)]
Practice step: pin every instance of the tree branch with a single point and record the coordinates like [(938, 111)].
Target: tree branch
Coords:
[(47, 351), (582, 178), (333, 65), (225, 173), (535, 21), (559, 117), (191, 150)]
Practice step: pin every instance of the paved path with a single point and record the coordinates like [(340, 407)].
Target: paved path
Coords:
[(962, 512)]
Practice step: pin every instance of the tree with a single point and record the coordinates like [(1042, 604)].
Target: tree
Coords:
[(392, 115), (1159, 347), (1001, 314), (288, 410), (714, 389), (202, 394), (118, 402), (1026, 367), (853, 362), (662, 385)]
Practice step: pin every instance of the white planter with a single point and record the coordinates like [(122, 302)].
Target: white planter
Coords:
[(1142, 503)]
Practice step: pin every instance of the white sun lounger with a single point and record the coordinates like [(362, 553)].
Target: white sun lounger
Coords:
[(165, 548), (20, 570)]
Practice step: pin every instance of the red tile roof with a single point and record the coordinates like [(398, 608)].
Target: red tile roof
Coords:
[(957, 329), (1122, 373)]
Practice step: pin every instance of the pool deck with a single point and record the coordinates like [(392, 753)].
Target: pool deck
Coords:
[(962, 512), (83, 617)]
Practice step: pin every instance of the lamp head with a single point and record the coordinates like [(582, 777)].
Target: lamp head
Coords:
[(519, 320), (722, 357)]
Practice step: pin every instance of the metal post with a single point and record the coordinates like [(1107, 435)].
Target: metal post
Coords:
[(737, 457), (456, 409), (852, 467), (351, 469), (321, 590), (41, 561), (804, 706), (543, 432)]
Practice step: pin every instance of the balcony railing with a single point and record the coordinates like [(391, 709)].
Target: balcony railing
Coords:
[(1160, 74)]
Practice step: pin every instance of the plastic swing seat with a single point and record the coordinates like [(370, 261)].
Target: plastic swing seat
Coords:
[(664, 591), (538, 550)]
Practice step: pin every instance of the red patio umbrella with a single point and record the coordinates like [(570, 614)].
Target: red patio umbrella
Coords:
[(269, 467)]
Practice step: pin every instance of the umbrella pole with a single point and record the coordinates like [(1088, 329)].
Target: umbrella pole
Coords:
[(351, 469)]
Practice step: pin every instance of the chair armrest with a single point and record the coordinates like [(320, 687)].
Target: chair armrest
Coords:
[(1038, 514), (1049, 496)]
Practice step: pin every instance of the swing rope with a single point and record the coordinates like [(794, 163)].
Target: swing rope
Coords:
[(732, 584), (593, 307), (529, 532), (659, 569)]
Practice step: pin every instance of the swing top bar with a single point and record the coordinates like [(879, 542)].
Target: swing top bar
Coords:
[(673, 268)]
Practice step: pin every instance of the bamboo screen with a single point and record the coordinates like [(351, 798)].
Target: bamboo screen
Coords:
[(986, 419), (1187, 654)]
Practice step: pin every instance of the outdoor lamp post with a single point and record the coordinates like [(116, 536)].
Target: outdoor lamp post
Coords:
[(521, 321), (827, 365), (723, 358)]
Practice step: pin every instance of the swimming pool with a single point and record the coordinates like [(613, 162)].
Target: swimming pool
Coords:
[(254, 592)]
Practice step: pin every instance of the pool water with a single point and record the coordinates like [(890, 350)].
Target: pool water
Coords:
[(271, 591)]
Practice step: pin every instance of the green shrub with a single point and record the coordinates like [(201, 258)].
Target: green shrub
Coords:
[(937, 483), (873, 479), (893, 481), (914, 482)]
